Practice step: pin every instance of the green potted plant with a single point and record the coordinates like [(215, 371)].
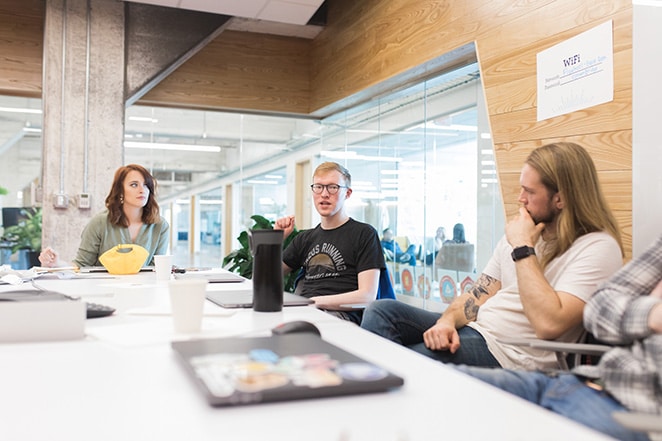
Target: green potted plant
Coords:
[(240, 260), (3, 190), (26, 235)]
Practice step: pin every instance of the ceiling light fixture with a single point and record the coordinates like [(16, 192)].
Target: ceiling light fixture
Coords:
[(143, 119), (179, 147), (19, 110), (351, 155), (260, 182)]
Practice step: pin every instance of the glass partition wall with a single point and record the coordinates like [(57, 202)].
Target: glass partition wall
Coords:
[(20, 150), (421, 160), (20, 168)]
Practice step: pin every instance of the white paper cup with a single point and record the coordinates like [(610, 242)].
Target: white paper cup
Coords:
[(163, 265), (187, 300)]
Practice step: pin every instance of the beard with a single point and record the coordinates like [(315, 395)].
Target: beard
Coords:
[(546, 218)]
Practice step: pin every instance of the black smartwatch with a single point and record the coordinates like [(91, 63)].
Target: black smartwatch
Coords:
[(522, 252)]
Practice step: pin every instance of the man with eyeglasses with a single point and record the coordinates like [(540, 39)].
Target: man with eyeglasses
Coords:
[(341, 258)]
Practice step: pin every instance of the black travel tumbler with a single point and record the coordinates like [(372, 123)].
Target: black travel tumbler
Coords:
[(267, 250)]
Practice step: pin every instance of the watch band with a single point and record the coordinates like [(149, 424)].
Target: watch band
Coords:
[(522, 252)]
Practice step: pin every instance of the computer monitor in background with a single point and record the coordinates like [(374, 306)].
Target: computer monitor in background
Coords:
[(13, 215)]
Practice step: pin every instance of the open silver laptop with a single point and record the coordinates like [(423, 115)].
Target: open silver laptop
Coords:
[(244, 299), (212, 276)]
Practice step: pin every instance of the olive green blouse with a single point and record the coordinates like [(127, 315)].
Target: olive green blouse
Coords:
[(100, 235)]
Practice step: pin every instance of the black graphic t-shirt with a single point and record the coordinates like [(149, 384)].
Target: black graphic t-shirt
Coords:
[(332, 259)]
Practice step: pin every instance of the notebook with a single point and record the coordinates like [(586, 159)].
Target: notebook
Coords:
[(244, 299), (239, 371), (212, 276)]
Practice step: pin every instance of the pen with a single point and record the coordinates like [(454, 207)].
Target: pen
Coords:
[(177, 270)]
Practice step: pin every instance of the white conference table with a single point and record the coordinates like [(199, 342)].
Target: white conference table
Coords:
[(123, 382)]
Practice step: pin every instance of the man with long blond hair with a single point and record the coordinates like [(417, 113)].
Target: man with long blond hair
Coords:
[(626, 311), (561, 245)]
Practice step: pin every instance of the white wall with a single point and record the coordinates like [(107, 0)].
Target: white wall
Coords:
[(646, 138)]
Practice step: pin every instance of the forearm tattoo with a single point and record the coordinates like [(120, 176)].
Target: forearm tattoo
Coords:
[(470, 309), (482, 286)]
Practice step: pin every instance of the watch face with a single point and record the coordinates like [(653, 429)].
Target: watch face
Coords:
[(522, 252)]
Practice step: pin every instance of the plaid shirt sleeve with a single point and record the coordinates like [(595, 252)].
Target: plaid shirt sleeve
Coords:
[(618, 314)]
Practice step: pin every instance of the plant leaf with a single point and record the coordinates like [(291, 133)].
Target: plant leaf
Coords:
[(261, 223)]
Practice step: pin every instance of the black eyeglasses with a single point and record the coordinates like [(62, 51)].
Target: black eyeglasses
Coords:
[(331, 188)]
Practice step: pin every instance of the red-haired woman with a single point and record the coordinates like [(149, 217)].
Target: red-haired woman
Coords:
[(131, 216)]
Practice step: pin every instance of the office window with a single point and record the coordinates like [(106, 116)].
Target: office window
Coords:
[(211, 214), (263, 194), (266, 194), (20, 151)]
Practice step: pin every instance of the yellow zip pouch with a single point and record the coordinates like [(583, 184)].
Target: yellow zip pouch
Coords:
[(124, 259)]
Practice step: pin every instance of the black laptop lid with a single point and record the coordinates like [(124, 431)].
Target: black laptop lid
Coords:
[(238, 371)]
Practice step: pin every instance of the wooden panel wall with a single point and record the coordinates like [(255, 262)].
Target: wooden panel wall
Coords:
[(369, 41), (605, 130), (21, 47), (241, 70), (372, 40)]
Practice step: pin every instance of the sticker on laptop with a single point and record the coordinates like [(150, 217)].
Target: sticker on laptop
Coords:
[(262, 369), (361, 372)]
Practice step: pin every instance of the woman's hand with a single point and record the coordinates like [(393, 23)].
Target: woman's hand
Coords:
[(48, 257)]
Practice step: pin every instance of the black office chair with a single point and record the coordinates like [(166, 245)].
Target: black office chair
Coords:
[(587, 351)]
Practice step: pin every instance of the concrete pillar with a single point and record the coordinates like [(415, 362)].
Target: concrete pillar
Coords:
[(100, 56), (83, 98)]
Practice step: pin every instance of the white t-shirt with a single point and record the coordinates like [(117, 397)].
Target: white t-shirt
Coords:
[(591, 260)]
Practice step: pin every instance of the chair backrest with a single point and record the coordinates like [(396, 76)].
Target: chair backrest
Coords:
[(297, 285), (569, 355), (385, 289), (588, 351), (457, 257)]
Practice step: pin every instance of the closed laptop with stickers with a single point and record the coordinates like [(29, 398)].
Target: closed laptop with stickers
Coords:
[(251, 370)]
